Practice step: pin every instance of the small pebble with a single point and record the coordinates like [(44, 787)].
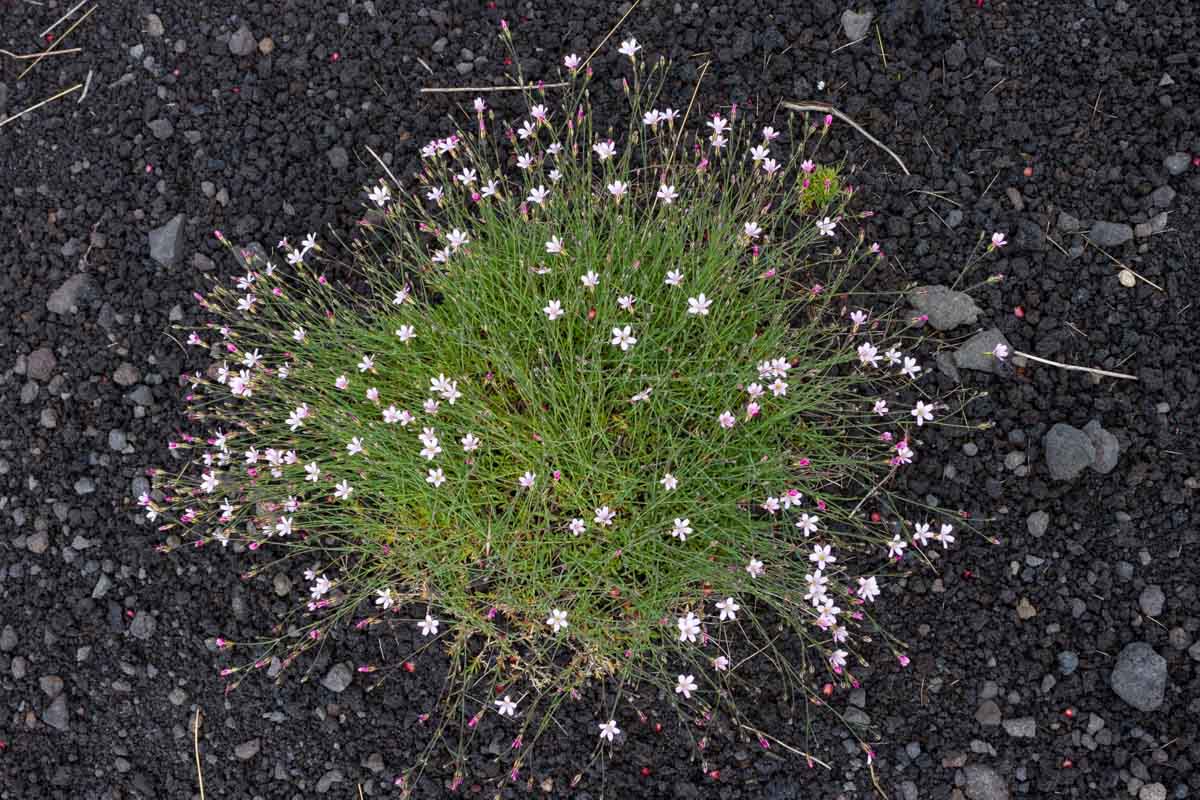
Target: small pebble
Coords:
[(1127, 278)]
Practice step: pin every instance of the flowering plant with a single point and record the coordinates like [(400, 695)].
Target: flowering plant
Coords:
[(594, 406)]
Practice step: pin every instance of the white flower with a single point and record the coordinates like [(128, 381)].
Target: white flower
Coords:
[(896, 547), (342, 490), (538, 112), (642, 396), (577, 526), (728, 608), (682, 528), (822, 556), (538, 195), (555, 245), (769, 134), (667, 194), (752, 230), (771, 506), (699, 305), (209, 484), (720, 663), (858, 317), (755, 568), (571, 62), (881, 408), (817, 585), (923, 413), (480, 106), (628, 48), (590, 280), (718, 124), (506, 707), (770, 166), (367, 363), (998, 239), (312, 472), (674, 278), (435, 477), (406, 333), (685, 686), (604, 516), (826, 226), (470, 443), (553, 310), (689, 627), (428, 626), (342, 382), (435, 194), (457, 239), (623, 338), (384, 599), (527, 480), (808, 524), (557, 620), (1000, 351), (524, 132), (651, 117), (910, 368), (868, 354), (668, 115), (779, 387), (380, 195), (605, 150), (320, 587), (488, 189), (617, 189), (838, 659), (921, 534), (868, 589), (525, 160), (355, 446), (466, 177), (431, 406), (609, 729), (626, 302), (727, 420), (944, 536), (759, 153), (669, 482)]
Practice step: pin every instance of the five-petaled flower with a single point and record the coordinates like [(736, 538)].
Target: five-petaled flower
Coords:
[(669, 482), (682, 528), (923, 412), (553, 310), (527, 480), (826, 226), (609, 730), (685, 685), (604, 516), (506, 706), (699, 305), (689, 627), (667, 194), (728, 608), (428, 626), (998, 239), (623, 337), (557, 619), (629, 47)]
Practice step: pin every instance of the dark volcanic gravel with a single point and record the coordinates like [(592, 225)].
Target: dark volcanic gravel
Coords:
[(1039, 119)]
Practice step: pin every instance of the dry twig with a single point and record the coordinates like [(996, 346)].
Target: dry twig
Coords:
[(828, 109), (74, 8), (54, 45), (196, 750), (479, 89), (36, 106), (1074, 367), (66, 52)]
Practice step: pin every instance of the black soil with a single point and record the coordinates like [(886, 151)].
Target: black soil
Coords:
[(1011, 116)]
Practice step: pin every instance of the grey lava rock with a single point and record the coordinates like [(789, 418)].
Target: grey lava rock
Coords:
[(1068, 451), (8, 639), (1021, 727), (40, 364), (247, 750), (126, 374), (856, 24), (161, 128), (988, 714), (73, 293), (1162, 196), (983, 783), (946, 308), (338, 157), (1037, 523), (338, 678), (1110, 234), (977, 352), (329, 779), (56, 714), (166, 241), (1152, 600), (1153, 791), (1177, 163), (154, 26), (1140, 676), (1068, 662), (242, 42), (1108, 449), (143, 625)]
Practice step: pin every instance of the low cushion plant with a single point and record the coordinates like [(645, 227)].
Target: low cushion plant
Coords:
[(583, 404)]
